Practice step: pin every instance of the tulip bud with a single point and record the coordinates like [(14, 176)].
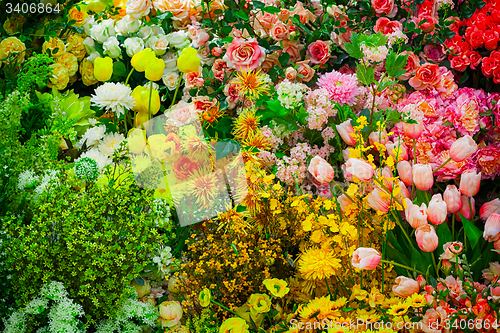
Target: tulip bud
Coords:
[(404, 190), (415, 215), (141, 95), (365, 258), (360, 169), (378, 201), (452, 198), (188, 61), (489, 208), (423, 177), (413, 131), (466, 210), (405, 172), (347, 133), (142, 59), (397, 150), (343, 201), (154, 70), (492, 228), (463, 148), (469, 183), (427, 238), (140, 118), (321, 170), (437, 211), (405, 287), (103, 69), (378, 137)]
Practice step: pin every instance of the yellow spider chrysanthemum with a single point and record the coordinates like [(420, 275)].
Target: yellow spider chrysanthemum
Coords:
[(246, 124), (251, 83), (399, 309), (204, 186), (319, 309), (318, 264)]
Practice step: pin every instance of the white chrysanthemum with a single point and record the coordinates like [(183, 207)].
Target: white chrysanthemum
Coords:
[(27, 178), (92, 136), (113, 96), (110, 143), (101, 159)]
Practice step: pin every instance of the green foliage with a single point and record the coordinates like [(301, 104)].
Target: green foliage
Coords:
[(95, 242), (354, 47), (394, 64), (35, 73), (206, 322)]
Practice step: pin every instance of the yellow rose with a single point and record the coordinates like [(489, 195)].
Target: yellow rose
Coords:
[(141, 290), (188, 60), (69, 61), (12, 45), (245, 313), (14, 24), (154, 70), (179, 329), (259, 303), (79, 15), (54, 47), (74, 44), (141, 59), (87, 72), (171, 313), (103, 68), (234, 325), (140, 95), (205, 297), (60, 77), (276, 287)]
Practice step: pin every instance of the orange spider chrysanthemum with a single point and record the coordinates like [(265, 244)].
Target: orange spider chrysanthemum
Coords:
[(251, 83)]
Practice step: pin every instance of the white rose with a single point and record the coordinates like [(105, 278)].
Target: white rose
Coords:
[(170, 79), (102, 31), (138, 8), (88, 23), (133, 45), (158, 44), (93, 56), (179, 39), (112, 47), (89, 45), (157, 30), (128, 25), (145, 32), (170, 60)]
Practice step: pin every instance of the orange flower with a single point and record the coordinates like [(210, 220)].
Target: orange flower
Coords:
[(184, 167)]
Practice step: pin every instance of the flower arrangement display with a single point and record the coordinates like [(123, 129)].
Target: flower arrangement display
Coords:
[(216, 166)]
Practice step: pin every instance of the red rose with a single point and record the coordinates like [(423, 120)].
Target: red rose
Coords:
[(412, 63), (488, 66), (474, 58), (476, 38), (428, 25), (491, 39), (318, 52), (386, 26), (427, 74), (384, 7), (434, 53), (460, 63)]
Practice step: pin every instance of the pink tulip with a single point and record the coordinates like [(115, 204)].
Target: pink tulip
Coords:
[(469, 183), (397, 150), (422, 176), (415, 215), (489, 208), (345, 154), (437, 211), (495, 293), (427, 238), (405, 287), (377, 200), (492, 228), (359, 169), (404, 190), (343, 201), (452, 198), (321, 170), (463, 148), (378, 137), (386, 175), (347, 132), (365, 258), (466, 209), (405, 172), (413, 131)]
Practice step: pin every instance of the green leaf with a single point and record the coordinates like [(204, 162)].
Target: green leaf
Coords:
[(119, 69), (284, 58), (241, 15), (444, 235), (365, 75), (394, 64), (354, 47), (225, 125), (258, 4), (140, 281), (473, 233), (271, 10), (224, 148)]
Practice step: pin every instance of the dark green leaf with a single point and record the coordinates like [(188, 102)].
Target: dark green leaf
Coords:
[(284, 58), (472, 232)]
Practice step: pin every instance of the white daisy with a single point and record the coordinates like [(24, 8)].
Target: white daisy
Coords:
[(110, 143), (113, 96)]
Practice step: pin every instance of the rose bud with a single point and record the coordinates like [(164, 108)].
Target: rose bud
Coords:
[(415, 215), (347, 132), (437, 211), (413, 131), (217, 51), (469, 183), (452, 198), (465, 210), (421, 281), (359, 169), (427, 238), (422, 176), (489, 208), (405, 172), (290, 73), (365, 258), (321, 170), (492, 228), (463, 148), (405, 287)]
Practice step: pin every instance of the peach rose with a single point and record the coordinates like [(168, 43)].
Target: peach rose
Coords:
[(293, 49), (279, 31), (178, 8), (427, 74), (384, 7), (305, 72), (412, 64), (138, 8), (290, 73), (182, 113), (318, 52), (244, 54), (271, 60), (304, 14)]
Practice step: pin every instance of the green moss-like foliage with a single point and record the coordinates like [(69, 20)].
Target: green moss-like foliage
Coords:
[(95, 242)]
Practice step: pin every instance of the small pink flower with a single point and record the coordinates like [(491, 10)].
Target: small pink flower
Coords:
[(469, 183), (437, 211), (452, 198), (423, 177), (321, 170), (342, 88), (405, 287), (489, 208), (359, 169), (365, 258), (244, 54)]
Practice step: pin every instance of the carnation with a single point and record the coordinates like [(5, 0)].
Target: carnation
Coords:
[(343, 88), (113, 96)]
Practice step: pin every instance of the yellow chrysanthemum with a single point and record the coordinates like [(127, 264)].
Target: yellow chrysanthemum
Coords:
[(416, 301), (319, 309), (246, 124), (251, 83), (318, 264), (399, 309)]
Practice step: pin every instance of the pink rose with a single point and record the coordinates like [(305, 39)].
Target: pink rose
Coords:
[(244, 54), (318, 52), (279, 31), (412, 64), (199, 36), (385, 7), (386, 26), (293, 49), (182, 113), (434, 53)]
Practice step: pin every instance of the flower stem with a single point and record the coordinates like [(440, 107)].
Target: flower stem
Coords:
[(150, 94), (128, 76), (222, 306), (402, 266), (442, 165), (176, 90)]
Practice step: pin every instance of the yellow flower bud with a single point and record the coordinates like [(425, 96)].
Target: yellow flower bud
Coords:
[(142, 59), (154, 70), (103, 68), (205, 297), (96, 6), (141, 100), (140, 119), (188, 61)]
